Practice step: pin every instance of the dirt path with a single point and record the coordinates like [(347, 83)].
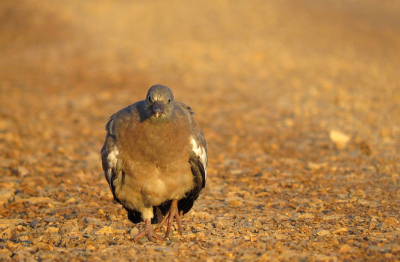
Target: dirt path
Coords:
[(299, 102)]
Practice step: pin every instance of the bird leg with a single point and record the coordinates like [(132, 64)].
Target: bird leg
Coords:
[(165, 219), (173, 213), (149, 232)]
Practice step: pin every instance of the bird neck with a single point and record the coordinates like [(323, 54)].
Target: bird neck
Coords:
[(162, 119)]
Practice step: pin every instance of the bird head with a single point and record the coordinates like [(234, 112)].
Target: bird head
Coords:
[(160, 101)]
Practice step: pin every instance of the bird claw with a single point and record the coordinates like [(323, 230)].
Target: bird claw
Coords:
[(173, 213), (150, 236), (149, 232), (169, 219)]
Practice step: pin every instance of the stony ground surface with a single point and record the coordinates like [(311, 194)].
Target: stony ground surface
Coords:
[(299, 102)]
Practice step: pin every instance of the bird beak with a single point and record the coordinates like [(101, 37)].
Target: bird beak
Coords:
[(158, 108)]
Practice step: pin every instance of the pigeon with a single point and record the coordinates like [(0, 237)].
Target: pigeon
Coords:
[(155, 161)]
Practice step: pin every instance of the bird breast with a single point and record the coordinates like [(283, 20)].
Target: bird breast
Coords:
[(156, 160)]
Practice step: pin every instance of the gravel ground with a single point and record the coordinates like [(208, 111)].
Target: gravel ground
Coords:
[(299, 102)]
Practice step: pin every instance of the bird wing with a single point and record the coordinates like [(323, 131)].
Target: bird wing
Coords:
[(112, 161), (110, 153), (197, 159), (198, 155)]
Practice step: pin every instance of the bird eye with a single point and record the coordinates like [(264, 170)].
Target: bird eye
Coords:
[(149, 98), (169, 100)]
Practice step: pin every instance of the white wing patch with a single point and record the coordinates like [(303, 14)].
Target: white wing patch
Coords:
[(111, 127), (201, 153), (112, 160)]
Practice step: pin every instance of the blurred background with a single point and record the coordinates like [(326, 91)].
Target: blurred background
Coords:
[(280, 88), (247, 68)]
